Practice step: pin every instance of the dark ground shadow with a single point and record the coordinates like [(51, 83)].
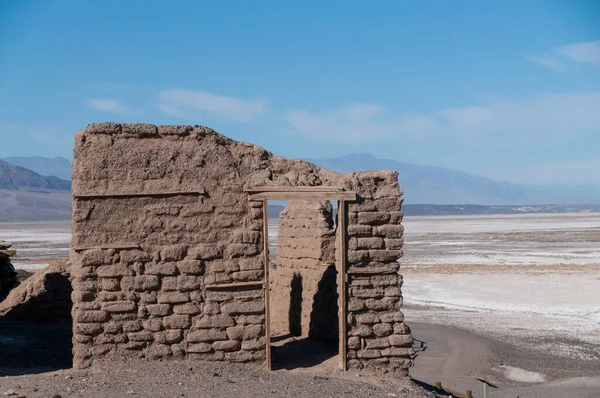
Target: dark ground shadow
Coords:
[(294, 351), (302, 353), (29, 348)]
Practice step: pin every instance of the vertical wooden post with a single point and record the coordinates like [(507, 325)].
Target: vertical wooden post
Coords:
[(341, 267), (267, 285)]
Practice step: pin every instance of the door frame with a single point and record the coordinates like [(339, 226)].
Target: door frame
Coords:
[(317, 193)]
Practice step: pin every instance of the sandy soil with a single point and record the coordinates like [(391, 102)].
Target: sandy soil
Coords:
[(456, 357), (542, 308)]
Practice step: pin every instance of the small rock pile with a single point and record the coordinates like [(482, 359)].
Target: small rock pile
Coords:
[(43, 297), (8, 276)]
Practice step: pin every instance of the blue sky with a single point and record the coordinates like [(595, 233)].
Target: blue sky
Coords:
[(504, 89)]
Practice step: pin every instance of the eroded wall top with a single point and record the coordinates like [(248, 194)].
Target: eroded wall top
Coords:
[(111, 158)]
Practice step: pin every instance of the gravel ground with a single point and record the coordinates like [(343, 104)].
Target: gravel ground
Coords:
[(35, 361), (197, 379)]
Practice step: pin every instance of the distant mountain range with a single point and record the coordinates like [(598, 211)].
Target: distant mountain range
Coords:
[(457, 210), (421, 184), (17, 177), (29, 196), (440, 186), (57, 167), (26, 195)]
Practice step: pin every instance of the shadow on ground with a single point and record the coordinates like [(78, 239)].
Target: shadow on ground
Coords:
[(290, 352), (29, 348)]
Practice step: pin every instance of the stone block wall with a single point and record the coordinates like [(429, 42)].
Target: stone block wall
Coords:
[(167, 248), (301, 297), (167, 298), (379, 338)]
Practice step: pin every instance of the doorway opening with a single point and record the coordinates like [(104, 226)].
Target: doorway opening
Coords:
[(304, 311), (332, 238)]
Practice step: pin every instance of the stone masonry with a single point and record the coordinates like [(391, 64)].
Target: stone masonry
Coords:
[(167, 248)]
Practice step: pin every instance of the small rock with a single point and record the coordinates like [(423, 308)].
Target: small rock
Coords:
[(10, 393)]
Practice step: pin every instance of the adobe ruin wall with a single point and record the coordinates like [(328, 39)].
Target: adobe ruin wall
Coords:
[(167, 248)]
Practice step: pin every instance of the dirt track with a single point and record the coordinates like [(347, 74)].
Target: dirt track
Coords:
[(456, 357)]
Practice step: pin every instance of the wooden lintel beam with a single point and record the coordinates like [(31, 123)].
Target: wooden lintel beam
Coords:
[(108, 246), (234, 285), (372, 271), (304, 195), (141, 194), (319, 188)]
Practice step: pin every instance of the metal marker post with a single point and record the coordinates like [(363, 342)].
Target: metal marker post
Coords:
[(485, 385)]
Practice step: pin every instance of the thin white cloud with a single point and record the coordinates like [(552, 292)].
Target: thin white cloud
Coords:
[(110, 105), (548, 61), (550, 116), (572, 172), (355, 123), (190, 104), (587, 52), (544, 116)]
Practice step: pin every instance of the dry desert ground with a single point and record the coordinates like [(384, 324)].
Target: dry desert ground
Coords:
[(514, 299)]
